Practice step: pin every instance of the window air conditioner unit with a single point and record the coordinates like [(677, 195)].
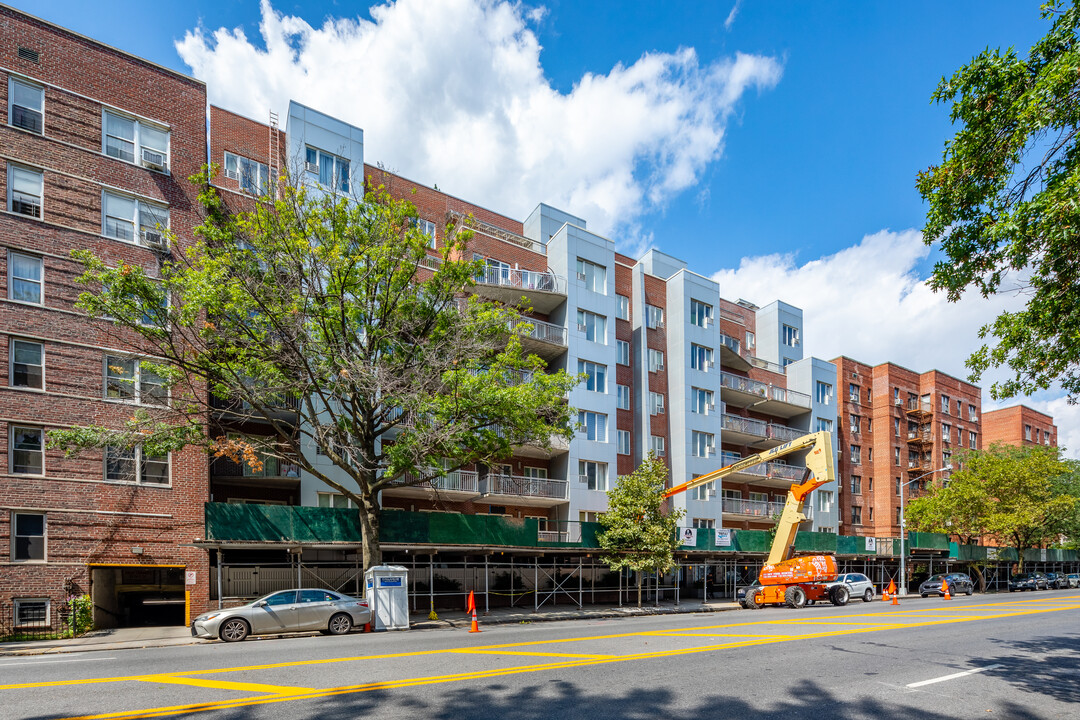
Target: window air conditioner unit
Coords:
[(232, 174), (659, 367), (311, 167), (710, 408), (153, 159), (26, 207), (708, 321), (709, 364), (154, 239), (582, 327), (581, 276), (660, 410), (897, 401), (712, 493)]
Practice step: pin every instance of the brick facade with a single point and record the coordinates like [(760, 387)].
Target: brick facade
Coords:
[(1018, 425)]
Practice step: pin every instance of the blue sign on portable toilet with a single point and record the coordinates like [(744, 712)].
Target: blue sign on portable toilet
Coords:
[(387, 592)]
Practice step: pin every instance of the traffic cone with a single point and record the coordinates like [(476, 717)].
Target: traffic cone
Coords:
[(892, 587), (367, 627), (895, 599), (475, 627), (945, 589), (885, 595), (470, 604)]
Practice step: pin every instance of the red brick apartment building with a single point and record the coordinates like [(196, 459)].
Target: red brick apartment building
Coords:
[(96, 148), (1018, 425), (897, 431)]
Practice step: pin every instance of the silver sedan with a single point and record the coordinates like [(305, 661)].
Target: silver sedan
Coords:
[(286, 611)]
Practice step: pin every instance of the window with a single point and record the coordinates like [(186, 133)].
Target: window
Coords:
[(622, 307), (959, 435), (790, 336), (701, 401), (623, 350), (593, 474), (427, 228), (870, 513), (856, 515), (896, 396), (26, 106), (24, 278), (25, 191), (856, 455), (27, 450), (131, 464), (959, 407), (622, 397), (856, 485), (594, 276), (656, 404), (896, 427), (1027, 432), (973, 414), (594, 326), (254, 177), (135, 141), (131, 220), (28, 537), (787, 361), (869, 425), (654, 316), (824, 500), (946, 432), (870, 486), (332, 171), (622, 442), (128, 379), (823, 424), (704, 523), (870, 455), (946, 459), (701, 357), (656, 445), (31, 612), (656, 360), (335, 500), (703, 492), (853, 393), (596, 376), (594, 424), (897, 516), (536, 473), (27, 368), (700, 314), (856, 423), (899, 485), (972, 440), (750, 340), (702, 444), (823, 393), (945, 404)]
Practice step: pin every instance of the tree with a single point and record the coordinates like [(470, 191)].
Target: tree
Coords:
[(1019, 496), (1002, 203), (639, 534), (327, 320)]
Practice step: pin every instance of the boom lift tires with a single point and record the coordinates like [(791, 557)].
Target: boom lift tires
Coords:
[(795, 597), (839, 595), (750, 603)]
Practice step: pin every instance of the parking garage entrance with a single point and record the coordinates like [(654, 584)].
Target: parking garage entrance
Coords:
[(138, 595)]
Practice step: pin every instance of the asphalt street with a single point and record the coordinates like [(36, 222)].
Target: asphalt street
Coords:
[(1005, 656)]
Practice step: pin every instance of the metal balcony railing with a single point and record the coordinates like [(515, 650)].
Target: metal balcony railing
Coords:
[(519, 279), (791, 397), (546, 332), (743, 384), (761, 508), (522, 486), (223, 467), (457, 480), (916, 405), (787, 472), (749, 426), (731, 343), (765, 364), (783, 433)]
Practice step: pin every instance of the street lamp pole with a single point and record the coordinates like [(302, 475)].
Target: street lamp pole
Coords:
[(903, 528)]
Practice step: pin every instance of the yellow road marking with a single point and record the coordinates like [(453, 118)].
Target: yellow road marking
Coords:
[(226, 685), (431, 680), (471, 651)]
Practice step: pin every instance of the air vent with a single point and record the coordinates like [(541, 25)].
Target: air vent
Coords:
[(27, 54)]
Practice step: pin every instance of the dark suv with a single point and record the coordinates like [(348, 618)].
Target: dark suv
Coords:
[(958, 583), (1028, 581), (1058, 581)]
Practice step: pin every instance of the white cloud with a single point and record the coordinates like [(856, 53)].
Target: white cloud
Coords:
[(730, 20), (453, 92), (868, 302)]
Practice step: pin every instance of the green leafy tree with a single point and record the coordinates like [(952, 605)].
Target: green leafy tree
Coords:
[(1002, 203), (639, 532), (322, 324), (1024, 497)]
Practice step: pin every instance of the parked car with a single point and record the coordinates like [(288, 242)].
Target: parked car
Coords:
[(958, 583), (1057, 581), (286, 611), (859, 586), (1074, 579), (1028, 581)]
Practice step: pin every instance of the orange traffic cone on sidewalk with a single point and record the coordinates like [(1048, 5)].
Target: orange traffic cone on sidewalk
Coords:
[(945, 589), (471, 607)]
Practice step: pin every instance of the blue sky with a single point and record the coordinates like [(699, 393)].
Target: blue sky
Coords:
[(775, 147)]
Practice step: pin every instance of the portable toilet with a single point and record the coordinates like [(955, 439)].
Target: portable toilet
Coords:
[(387, 592)]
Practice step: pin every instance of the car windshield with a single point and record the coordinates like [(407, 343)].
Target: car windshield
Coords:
[(937, 578), (1023, 576)]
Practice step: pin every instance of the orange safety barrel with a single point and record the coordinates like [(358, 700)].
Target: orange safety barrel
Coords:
[(816, 568)]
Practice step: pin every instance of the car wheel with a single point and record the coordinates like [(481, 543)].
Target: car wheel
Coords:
[(795, 597), (340, 624), (969, 591), (868, 595), (925, 594), (234, 630)]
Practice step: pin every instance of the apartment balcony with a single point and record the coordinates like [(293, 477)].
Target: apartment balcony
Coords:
[(764, 365), (759, 510), (521, 490), (742, 430), (752, 474), (777, 435), (731, 354), (545, 291), (919, 410), (544, 339), (235, 410), (766, 474), (740, 391), (456, 486), (273, 473)]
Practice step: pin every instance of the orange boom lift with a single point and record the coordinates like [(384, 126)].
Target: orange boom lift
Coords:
[(787, 580)]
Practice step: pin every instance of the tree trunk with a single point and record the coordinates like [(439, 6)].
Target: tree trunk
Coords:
[(979, 575), (639, 588), (369, 526)]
